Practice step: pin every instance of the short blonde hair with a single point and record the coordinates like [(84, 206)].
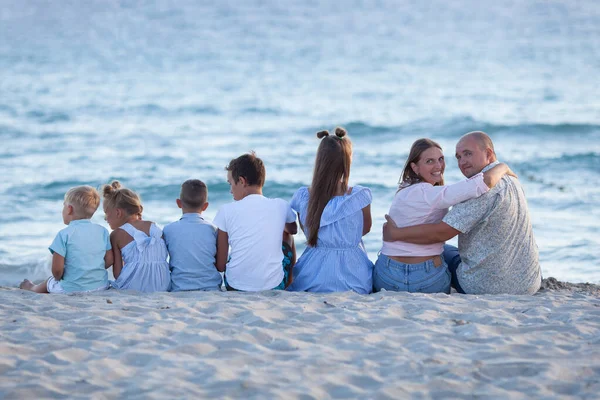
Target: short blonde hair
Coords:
[(84, 200), (117, 196)]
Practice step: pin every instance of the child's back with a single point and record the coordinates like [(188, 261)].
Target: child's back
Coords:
[(145, 266), (81, 252), (254, 226), (192, 245), (83, 245)]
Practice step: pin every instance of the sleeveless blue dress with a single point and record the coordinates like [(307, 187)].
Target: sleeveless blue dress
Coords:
[(145, 266), (339, 262)]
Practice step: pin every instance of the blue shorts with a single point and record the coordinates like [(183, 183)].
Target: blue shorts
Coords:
[(423, 277)]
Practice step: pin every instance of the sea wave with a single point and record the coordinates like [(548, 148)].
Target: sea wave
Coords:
[(36, 270), (583, 162), (455, 127)]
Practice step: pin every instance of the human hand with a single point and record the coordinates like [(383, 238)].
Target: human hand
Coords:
[(388, 227), (507, 170), (511, 173)]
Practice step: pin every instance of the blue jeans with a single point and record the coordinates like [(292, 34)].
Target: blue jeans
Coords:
[(452, 258), (424, 277)]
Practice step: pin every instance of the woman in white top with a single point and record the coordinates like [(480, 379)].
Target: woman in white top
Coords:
[(422, 198)]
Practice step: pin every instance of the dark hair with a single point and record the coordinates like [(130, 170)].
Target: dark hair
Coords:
[(332, 167), (249, 167), (409, 176), (194, 193)]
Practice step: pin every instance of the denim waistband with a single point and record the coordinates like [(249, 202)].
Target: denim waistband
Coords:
[(411, 267)]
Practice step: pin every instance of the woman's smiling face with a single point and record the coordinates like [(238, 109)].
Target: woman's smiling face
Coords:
[(430, 166)]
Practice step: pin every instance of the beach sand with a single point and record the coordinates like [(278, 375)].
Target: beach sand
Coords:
[(300, 345)]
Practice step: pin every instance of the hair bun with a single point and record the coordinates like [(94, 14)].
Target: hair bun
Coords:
[(322, 134), (340, 132), (109, 190)]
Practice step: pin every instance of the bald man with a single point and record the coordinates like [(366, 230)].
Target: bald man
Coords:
[(496, 251)]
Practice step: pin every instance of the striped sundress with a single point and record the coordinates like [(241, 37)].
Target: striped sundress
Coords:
[(339, 262)]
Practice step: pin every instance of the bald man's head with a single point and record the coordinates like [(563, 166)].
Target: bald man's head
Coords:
[(485, 142), (474, 151)]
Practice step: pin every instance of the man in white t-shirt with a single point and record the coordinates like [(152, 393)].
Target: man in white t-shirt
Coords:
[(253, 226)]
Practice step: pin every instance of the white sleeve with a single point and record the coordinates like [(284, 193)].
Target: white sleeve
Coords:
[(220, 220)]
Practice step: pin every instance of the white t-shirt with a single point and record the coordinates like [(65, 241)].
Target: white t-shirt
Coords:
[(255, 227)]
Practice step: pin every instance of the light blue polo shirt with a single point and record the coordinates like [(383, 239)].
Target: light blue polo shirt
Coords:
[(192, 245), (83, 245)]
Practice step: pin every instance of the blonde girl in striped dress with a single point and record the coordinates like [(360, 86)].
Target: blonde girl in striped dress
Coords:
[(140, 253)]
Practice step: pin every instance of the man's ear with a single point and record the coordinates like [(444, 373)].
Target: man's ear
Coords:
[(178, 201), (489, 154), (70, 210), (243, 181), (205, 206)]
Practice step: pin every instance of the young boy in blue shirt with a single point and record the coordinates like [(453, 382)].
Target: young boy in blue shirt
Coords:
[(192, 242), (81, 252)]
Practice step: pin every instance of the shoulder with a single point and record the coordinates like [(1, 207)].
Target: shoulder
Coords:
[(227, 207), (207, 222), (416, 191), (63, 234), (301, 193), (361, 194), (171, 226), (209, 225), (281, 202), (98, 229), (65, 231), (357, 189), (154, 229), (301, 190), (118, 234), (421, 187)]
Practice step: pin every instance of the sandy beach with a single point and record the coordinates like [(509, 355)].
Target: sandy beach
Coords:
[(299, 345)]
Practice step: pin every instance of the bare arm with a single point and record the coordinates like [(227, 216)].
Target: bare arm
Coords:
[(222, 250), (109, 259), (58, 266), (367, 220), (291, 228), (492, 176), (418, 234), (117, 257), (289, 239)]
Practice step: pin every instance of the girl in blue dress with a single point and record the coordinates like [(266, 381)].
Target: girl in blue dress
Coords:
[(140, 253), (334, 218)]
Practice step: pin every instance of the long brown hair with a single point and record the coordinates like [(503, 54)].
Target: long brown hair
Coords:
[(409, 177), (332, 167)]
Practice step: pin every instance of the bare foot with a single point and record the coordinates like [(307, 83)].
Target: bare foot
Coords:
[(26, 284)]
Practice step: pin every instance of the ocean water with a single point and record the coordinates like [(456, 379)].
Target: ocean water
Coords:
[(153, 93)]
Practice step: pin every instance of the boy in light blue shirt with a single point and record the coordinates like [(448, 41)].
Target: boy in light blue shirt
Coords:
[(81, 252), (192, 242)]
